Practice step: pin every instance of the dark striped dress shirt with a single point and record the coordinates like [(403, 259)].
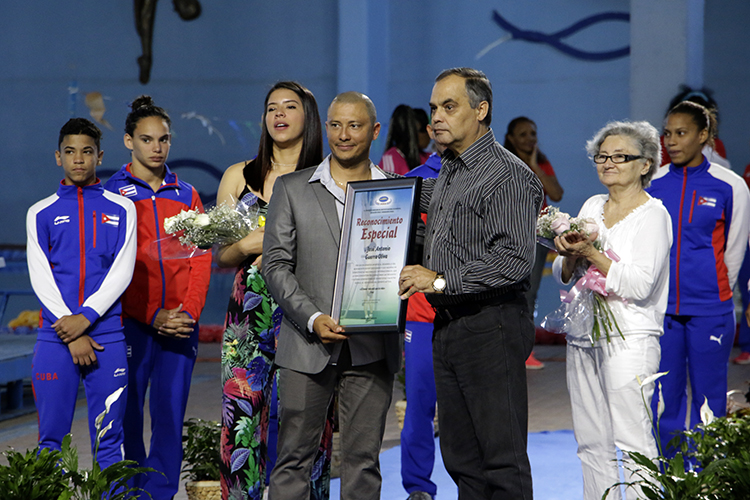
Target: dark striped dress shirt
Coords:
[(481, 220)]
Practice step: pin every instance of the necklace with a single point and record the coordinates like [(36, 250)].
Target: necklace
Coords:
[(341, 184), (282, 164)]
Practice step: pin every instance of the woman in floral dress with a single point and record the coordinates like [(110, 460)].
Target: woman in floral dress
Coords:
[(291, 139)]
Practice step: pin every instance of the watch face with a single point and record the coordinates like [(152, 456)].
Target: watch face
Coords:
[(439, 284)]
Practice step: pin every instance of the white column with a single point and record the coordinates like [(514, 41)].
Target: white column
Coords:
[(666, 50)]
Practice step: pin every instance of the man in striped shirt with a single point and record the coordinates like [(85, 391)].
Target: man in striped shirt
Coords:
[(479, 250)]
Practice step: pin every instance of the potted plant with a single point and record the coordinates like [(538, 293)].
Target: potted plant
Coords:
[(32, 476), (202, 458), (54, 475), (712, 461)]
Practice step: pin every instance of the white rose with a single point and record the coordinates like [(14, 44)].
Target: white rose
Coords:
[(201, 220)]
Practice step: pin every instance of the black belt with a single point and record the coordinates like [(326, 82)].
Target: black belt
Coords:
[(452, 313)]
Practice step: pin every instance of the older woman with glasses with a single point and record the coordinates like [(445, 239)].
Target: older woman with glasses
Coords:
[(635, 232)]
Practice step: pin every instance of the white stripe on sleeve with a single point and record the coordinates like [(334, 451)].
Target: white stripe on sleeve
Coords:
[(40, 272)]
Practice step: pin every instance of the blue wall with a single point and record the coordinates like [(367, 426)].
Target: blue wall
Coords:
[(221, 65), (727, 73)]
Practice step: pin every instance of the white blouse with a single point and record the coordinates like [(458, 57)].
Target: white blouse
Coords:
[(638, 285)]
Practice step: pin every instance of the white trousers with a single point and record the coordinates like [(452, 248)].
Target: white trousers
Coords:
[(609, 409)]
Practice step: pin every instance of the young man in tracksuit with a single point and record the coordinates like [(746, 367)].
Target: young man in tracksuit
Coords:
[(81, 245), (163, 303)]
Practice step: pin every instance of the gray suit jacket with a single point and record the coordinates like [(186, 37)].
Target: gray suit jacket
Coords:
[(300, 250)]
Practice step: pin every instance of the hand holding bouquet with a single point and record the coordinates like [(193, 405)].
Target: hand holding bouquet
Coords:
[(584, 310), (552, 223)]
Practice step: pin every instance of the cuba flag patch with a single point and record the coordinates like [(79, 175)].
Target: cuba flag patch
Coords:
[(707, 201), (128, 190), (112, 220)]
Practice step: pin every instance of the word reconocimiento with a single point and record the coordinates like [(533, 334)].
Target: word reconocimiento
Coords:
[(372, 234)]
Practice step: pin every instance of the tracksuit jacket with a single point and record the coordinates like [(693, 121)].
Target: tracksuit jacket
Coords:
[(81, 246), (710, 209), (160, 282)]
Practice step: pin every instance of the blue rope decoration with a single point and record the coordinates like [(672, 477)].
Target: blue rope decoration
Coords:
[(554, 39)]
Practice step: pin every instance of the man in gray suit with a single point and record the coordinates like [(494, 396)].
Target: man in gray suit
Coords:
[(314, 353)]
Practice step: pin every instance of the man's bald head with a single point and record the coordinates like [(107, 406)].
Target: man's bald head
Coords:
[(352, 97)]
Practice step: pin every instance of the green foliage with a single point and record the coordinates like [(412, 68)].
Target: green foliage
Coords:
[(722, 437), (202, 456), (32, 476), (54, 475), (720, 450), (97, 483)]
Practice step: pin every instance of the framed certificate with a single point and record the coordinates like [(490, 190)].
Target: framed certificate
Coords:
[(377, 235)]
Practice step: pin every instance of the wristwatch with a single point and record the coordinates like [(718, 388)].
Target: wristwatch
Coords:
[(439, 283)]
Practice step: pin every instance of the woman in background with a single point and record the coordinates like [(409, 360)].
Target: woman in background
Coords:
[(402, 151), (521, 140), (714, 151), (291, 139), (710, 209)]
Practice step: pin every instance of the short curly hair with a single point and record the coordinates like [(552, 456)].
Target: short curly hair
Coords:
[(643, 134)]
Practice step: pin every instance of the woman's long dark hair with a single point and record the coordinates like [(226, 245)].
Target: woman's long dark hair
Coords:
[(402, 133), (540, 157), (256, 171)]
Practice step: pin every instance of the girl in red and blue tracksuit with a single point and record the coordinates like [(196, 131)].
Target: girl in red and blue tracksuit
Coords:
[(81, 245), (163, 303), (710, 210)]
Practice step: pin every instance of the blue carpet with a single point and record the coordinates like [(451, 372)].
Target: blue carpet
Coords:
[(555, 469)]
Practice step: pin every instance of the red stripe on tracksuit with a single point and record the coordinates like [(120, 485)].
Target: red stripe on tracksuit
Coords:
[(719, 242)]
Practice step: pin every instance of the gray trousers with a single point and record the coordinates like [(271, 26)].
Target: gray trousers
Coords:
[(364, 397)]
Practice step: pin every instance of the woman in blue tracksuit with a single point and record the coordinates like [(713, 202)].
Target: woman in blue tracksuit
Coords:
[(81, 245), (710, 210)]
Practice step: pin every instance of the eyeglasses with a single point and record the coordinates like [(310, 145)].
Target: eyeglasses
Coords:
[(618, 158)]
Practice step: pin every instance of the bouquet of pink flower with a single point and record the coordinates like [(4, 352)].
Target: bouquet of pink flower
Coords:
[(584, 310), (552, 222)]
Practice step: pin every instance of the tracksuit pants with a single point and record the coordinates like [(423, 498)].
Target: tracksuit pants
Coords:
[(698, 346), (167, 363), (418, 434), (55, 380)]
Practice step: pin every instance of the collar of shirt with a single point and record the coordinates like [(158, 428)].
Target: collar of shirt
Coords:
[(323, 175), (471, 157)]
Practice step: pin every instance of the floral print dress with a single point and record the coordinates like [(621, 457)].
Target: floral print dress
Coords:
[(251, 328)]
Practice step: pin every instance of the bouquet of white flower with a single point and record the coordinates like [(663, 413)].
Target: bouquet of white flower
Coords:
[(220, 225), (584, 310)]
